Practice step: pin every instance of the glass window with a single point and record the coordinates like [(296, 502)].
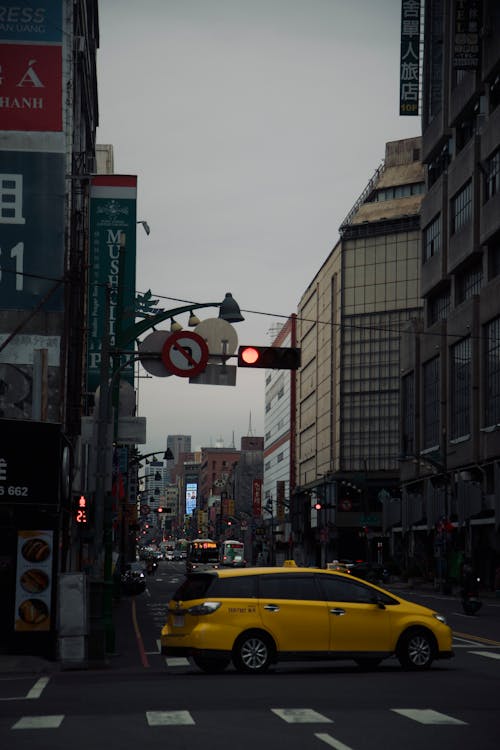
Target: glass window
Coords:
[(492, 397), (438, 307), (461, 207), (298, 586), (492, 176), (469, 282), (194, 587), (239, 587), (460, 382), (337, 589), (432, 238), (431, 402)]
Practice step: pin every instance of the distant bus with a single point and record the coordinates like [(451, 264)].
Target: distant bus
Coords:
[(232, 553), (202, 554)]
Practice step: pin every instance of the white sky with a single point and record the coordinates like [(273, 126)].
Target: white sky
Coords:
[(253, 127)]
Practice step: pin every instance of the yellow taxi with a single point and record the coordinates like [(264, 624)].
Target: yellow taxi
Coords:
[(255, 617)]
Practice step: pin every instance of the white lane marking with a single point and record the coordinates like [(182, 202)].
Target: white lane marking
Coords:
[(39, 722), (489, 654), (300, 715), (168, 718), (427, 716), (329, 740), (179, 661), (38, 688)]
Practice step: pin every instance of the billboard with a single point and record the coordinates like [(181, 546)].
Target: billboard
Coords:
[(112, 226), (191, 495), (31, 50), (32, 199)]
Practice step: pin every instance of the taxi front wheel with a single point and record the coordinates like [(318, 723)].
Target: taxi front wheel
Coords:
[(253, 652), (416, 649)]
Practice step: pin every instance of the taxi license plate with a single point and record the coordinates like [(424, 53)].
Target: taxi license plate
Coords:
[(178, 621)]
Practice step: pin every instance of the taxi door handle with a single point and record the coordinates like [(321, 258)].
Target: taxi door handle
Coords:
[(272, 607), (338, 612)]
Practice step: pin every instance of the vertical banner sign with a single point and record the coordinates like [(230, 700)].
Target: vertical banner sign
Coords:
[(33, 581), (256, 497), (466, 41), (112, 213), (280, 500), (409, 58)]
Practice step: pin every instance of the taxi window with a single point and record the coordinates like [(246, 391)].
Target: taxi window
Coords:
[(235, 587), (337, 589), (195, 586), (289, 587)]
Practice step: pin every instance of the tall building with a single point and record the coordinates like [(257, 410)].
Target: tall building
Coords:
[(280, 435), (178, 444), (348, 327), (451, 364)]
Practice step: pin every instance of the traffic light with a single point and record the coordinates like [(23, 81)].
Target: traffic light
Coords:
[(81, 510), (269, 357), (318, 506)]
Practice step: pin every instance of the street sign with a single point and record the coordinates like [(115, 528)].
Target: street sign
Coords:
[(150, 350), (185, 354)]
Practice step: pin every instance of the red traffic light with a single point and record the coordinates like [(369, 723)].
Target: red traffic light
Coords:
[(269, 357), (318, 506)]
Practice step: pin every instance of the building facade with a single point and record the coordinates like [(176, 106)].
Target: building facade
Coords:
[(348, 327), (451, 360)]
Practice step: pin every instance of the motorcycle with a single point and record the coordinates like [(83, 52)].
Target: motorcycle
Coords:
[(471, 602)]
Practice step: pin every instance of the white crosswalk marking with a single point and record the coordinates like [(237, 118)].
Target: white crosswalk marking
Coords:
[(168, 718), (300, 715), (332, 741), (489, 654), (426, 716), (39, 722), (178, 661), (37, 688)]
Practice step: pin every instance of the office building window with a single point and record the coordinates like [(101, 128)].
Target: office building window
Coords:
[(469, 282), (492, 176), (438, 307), (432, 238), (460, 386), (431, 403), (408, 415), (492, 395), (461, 207)]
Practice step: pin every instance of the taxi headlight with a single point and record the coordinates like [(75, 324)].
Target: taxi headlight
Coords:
[(441, 618), (207, 608)]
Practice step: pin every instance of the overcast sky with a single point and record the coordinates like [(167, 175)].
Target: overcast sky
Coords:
[(253, 127)]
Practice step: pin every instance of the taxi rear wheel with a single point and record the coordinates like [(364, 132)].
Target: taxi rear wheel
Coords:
[(253, 652), (416, 649)]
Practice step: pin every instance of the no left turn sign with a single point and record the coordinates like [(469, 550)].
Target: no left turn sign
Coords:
[(185, 354)]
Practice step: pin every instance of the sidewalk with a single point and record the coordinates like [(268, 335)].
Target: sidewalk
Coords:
[(29, 664)]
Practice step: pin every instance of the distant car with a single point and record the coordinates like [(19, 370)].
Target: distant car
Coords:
[(177, 555), (255, 617), (169, 555), (133, 580)]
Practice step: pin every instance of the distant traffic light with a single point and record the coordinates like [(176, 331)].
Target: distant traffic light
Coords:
[(269, 357), (318, 506)]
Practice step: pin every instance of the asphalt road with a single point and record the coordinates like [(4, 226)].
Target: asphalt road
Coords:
[(140, 701)]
